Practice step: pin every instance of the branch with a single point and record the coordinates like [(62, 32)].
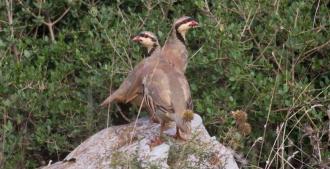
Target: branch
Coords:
[(317, 8), (28, 10), (122, 114), (63, 14), (50, 24), (311, 51), (10, 16), (9, 6)]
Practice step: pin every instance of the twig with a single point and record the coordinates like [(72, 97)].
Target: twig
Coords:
[(63, 14), (108, 115), (137, 118), (246, 23), (50, 24), (278, 64), (296, 18), (191, 57), (149, 7), (9, 6), (267, 120), (122, 114), (277, 5), (110, 40), (311, 51), (260, 139), (51, 30), (317, 8), (109, 106)]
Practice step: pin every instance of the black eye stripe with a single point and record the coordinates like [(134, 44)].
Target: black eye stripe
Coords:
[(144, 35), (183, 22)]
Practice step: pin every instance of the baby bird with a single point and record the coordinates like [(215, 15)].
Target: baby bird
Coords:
[(131, 89)]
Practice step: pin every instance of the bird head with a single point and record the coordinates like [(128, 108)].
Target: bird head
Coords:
[(183, 24), (146, 39)]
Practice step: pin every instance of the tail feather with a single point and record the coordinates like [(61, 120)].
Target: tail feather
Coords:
[(117, 96), (183, 122), (188, 115), (107, 101)]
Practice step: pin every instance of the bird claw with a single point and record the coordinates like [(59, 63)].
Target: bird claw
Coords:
[(155, 142), (154, 120), (180, 137), (177, 136)]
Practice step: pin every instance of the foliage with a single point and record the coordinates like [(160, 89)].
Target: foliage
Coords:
[(268, 58)]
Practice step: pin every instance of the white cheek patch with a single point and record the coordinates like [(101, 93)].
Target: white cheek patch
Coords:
[(147, 42), (184, 27)]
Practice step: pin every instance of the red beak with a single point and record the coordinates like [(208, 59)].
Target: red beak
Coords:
[(193, 24), (136, 39)]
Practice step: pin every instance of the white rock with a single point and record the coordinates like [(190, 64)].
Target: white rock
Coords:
[(117, 147)]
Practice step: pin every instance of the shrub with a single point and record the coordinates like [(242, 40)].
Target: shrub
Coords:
[(270, 59)]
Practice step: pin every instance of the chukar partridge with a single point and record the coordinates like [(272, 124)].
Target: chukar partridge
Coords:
[(131, 89), (167, 95), (174, 49)]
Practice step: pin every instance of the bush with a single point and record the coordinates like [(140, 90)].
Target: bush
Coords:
[(270, 59)]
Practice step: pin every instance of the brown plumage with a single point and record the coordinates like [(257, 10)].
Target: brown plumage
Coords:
[(174, 49), (131, 89), (174, 52), (160, 79), (167, 94)]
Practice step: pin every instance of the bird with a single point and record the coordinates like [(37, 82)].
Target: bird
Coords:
[(131, 89), (174, 52), (174, 49), (167, 95)]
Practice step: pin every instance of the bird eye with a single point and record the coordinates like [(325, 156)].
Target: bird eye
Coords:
[(144, 35), (189, 19)]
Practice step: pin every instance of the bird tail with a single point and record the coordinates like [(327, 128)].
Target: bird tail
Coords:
[(188, 115), (183, 122), (116, 96), (107, 101)]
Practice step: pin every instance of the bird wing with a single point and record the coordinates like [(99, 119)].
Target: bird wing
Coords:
[(176, 54), (138, 74), (158, 88), (180, 91), (135, 81)]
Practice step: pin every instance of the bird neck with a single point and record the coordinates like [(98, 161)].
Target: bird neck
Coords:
[(152, 49), (180, 36)]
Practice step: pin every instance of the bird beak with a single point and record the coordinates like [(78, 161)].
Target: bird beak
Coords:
[(136, 39), (193, 24)]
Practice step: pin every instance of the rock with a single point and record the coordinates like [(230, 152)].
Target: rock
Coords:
[(117, 147)]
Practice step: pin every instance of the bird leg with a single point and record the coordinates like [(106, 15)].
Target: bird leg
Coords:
[(178, 135), (157, 140), (162, 127), (153, 117), (151, 109)]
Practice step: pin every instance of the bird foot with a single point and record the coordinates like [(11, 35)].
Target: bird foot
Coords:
[(178, 136), (155, 142), (154, 120), (181, 136)]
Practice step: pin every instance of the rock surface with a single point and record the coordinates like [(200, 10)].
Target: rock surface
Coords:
[(117, 147)]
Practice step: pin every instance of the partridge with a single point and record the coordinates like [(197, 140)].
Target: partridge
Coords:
[(131, 89), (174, 49), (167, 95)]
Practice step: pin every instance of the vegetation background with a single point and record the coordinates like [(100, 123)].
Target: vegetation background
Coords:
[(271, 59)]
